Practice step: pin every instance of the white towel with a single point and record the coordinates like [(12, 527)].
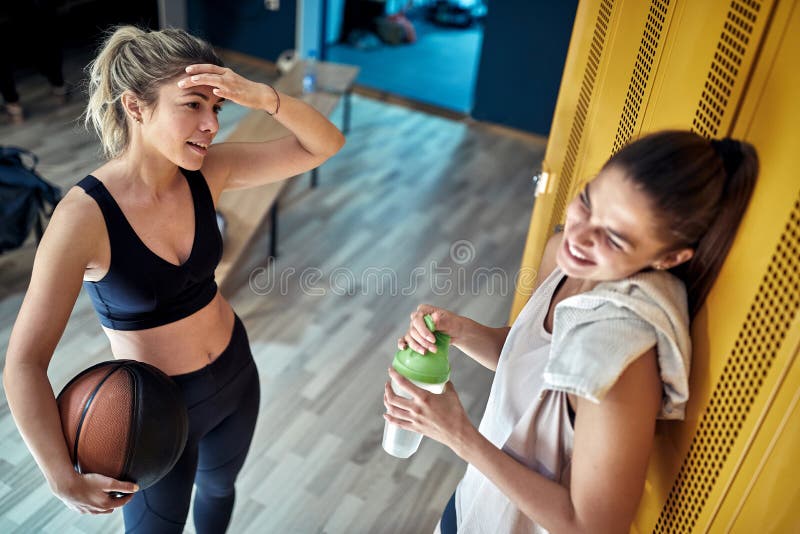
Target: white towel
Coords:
[(597, 334)]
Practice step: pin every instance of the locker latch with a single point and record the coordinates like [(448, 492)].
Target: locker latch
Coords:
[(541, 181)]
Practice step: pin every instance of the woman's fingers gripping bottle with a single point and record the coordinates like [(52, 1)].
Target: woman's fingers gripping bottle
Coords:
[(431, 372)]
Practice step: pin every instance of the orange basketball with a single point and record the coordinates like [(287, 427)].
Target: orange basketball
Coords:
[(123, 419)]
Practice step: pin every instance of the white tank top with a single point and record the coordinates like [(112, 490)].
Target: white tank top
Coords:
[(522, 418)]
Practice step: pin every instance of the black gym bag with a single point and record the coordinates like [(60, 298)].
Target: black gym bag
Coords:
[(23, 197)]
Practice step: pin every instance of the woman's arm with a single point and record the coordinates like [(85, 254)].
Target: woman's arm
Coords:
[(481, 343), (61, 259), (613, 440), (313, 138)]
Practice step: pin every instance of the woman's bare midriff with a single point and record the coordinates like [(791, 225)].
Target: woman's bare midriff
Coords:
[(180, 347)]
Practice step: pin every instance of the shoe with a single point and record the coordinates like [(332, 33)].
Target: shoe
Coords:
[(15, 113)]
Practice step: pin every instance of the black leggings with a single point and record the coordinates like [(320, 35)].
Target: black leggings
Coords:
[(222, 399)]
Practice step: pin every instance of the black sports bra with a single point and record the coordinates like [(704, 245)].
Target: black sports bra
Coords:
[(141, 289)]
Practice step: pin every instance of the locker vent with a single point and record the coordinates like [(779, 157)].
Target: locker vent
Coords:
[(584, 99), (725, 66), (642, 70), (773, 310)]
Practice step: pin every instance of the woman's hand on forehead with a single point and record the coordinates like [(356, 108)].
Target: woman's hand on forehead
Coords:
[(226, 84)]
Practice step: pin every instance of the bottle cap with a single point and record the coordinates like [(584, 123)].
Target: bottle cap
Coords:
[(431, 367)]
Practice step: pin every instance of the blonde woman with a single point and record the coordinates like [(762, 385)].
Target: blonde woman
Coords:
[(140, 235)]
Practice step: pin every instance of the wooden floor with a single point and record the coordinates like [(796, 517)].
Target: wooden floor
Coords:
[(414, 209)]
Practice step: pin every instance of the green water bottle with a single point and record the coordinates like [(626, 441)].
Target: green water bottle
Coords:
[(429, 371)]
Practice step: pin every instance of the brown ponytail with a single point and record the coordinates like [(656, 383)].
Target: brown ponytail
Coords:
[(701, 188)]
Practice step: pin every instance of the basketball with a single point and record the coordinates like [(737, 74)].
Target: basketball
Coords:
[(123, 419)]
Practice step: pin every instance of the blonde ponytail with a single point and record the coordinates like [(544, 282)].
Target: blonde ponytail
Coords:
[(104, 111)]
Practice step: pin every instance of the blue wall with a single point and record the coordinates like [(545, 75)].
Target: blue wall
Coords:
[(524, 47), (244, 25)]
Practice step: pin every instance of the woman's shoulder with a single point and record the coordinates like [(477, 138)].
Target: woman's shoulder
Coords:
[(77, 216), (657, 285), (597, 333), (76, 208), (109, 170), (657, 297), (74, 230)]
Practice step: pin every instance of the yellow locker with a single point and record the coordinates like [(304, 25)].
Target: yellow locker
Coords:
[(746, 380), (606, 71), (766, 494), (719, 67)]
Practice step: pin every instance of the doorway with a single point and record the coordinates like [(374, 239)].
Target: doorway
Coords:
[(422, 50)]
